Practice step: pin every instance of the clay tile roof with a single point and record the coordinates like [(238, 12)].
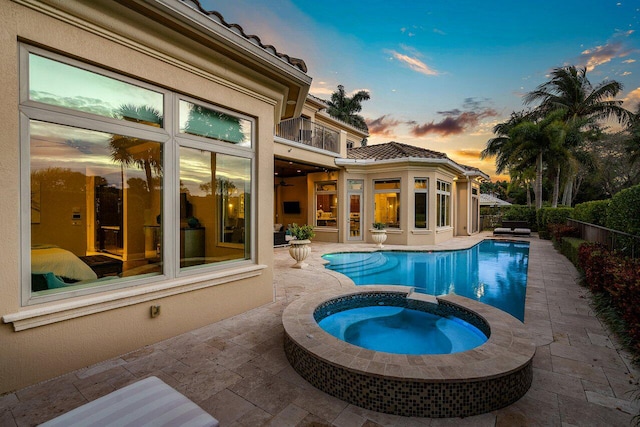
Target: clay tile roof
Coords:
[(392, 150), (295, 62)]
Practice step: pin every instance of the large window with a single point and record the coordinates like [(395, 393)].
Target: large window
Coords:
[(326, 204), (443, 200), (117, 195), (386, 195), (421, 212)]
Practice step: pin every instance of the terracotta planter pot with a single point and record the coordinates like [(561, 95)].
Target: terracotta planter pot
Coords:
[(378, 236), (299, 250)]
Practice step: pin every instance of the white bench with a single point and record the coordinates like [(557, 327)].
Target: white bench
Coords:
[(149, 402)]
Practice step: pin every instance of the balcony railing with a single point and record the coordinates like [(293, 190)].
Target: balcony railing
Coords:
[(309, 133)]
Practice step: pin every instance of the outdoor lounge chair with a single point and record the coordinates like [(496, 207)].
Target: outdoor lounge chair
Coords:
[(149, 402), (513, 228)]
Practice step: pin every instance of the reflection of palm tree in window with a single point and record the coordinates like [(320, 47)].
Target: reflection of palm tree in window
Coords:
[(213, 124), (129, 151)]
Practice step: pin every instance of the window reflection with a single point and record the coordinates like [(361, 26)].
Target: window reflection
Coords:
[(214, 195), (94, 215), (54, 83), (202, 121)]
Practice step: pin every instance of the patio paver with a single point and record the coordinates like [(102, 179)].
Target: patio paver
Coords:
[(236, 368)]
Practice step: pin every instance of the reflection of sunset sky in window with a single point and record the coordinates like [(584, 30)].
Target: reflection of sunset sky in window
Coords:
[(79, 150), (55, 83), (196, 169)]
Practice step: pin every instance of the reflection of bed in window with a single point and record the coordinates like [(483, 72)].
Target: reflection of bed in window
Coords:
[(53, 267)]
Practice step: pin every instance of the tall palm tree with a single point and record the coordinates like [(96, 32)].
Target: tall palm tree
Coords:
[(570, 90), (346, 108), (584, 105), (633, 142), (525, 141)]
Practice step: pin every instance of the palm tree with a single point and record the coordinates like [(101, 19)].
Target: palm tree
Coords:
[(346, 108), (525, 141), (570, 90), (633, 142), (584, 105)]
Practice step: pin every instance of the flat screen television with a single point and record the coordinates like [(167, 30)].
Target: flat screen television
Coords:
[(291, 207)]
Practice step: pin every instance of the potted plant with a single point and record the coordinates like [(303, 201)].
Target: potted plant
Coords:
[(379, 233), (299, 248)]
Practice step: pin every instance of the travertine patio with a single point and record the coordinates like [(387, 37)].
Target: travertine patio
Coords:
[(236, 369)]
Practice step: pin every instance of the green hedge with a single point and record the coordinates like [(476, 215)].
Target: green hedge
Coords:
[(520, 213), (623, 213), (548, 216), (594, 212), (570, 247)]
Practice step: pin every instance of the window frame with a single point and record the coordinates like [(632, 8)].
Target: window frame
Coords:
[(443, 201), (397, 191), (424, 191), (171, 139), (333, 193)]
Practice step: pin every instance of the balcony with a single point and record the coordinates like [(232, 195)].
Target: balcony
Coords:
[(309, 133)]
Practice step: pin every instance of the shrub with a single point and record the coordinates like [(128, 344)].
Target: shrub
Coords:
[(594, 212), (558, 231), (520, 213), (570, 247), (623, 213), (593, 258), (301, 232), (546, 216)]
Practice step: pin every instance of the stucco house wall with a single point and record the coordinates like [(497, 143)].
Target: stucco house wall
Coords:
[(147, 42)]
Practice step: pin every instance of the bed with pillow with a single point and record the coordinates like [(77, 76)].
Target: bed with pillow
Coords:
[(53, 267)]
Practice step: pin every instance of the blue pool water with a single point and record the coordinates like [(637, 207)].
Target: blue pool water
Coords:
[(492, 272), (402, 330)]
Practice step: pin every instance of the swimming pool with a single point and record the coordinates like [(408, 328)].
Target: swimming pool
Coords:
[(492, 272)]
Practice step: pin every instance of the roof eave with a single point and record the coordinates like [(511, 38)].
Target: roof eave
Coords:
[(250, 54), (364, 162)]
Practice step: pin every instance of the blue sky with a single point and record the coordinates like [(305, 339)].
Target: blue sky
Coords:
[(442, 73)]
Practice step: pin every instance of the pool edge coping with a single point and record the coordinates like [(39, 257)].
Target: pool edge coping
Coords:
[(508, 349)]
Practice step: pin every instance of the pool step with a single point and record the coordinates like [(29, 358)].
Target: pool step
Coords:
[(363, 260), (422, 297), (382, 265)]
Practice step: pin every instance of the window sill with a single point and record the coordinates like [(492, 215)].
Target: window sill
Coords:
[(65, 310), (444, 230), (321, 229), (421, 232)]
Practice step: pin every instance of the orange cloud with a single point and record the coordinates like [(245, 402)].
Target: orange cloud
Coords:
[(454, 123), (632, 99), (599, 55), (382, 126)]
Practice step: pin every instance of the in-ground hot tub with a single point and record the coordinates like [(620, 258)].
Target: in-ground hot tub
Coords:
[(490, 376), (393, 323)]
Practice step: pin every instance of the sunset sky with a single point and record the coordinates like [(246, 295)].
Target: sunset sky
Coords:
[(442, 73)]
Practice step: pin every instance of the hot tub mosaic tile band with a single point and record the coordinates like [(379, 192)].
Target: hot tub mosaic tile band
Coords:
[(480, 380)]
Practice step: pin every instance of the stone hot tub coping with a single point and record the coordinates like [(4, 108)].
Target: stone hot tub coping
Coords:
[(488, 377)]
